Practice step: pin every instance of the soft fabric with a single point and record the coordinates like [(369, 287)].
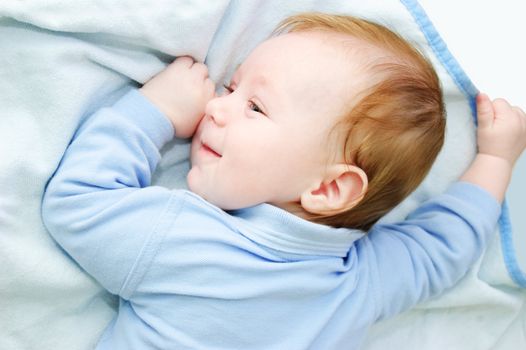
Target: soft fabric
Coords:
[(191, 276), (62, 59)]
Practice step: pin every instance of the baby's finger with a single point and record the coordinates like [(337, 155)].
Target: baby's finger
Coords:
[(185, 61), (209, 88), (200, 69), (501, 107), (519, 111), (485, 112), (522, 116)]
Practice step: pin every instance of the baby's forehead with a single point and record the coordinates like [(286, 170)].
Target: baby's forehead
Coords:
[(303, 59), (352, 50)]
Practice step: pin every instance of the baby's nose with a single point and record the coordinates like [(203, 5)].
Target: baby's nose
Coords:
[(216, 109)]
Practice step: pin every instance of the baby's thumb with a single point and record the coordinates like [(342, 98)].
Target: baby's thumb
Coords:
[(485, 112)]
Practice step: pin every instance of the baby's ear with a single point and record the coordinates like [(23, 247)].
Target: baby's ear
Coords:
[(343, 187)]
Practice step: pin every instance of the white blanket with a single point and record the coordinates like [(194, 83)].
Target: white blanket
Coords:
[(61, 59)]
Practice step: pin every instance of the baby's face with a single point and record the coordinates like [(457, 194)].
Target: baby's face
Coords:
[(266, 138)]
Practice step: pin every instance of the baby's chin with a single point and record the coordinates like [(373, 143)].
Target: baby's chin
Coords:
[(214, 198), (197, 185), (191, 180)]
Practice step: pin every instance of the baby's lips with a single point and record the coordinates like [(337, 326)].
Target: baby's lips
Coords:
[(210, 149)]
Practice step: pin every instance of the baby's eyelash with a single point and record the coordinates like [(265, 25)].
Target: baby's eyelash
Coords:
[(253, 106), (228, 88)]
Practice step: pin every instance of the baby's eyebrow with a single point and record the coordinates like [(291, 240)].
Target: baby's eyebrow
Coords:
[(235, 70), (229, 77)]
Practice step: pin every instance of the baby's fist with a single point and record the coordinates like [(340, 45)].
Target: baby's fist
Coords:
[(181, 91), (501, 130)]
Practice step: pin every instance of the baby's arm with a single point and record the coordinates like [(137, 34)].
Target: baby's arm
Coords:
[(99, 205), (437, 244)]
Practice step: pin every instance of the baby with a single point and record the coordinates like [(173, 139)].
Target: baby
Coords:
[(321, 131)]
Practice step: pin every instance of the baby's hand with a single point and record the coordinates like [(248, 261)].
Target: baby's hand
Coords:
[(502, 129), (181, 91)]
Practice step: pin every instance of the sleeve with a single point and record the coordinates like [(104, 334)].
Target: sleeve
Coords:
[(431, 250), (98, 205)]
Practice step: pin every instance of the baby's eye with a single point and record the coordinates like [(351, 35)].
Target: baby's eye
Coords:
[(228, 88), (254, 107)]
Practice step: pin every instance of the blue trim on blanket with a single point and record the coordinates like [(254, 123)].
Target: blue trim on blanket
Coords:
[(468, 88), (508, 248)]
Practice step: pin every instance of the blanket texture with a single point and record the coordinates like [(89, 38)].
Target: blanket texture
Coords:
[(63, 59)]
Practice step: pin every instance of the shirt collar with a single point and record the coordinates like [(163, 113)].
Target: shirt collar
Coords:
[(280, 230)]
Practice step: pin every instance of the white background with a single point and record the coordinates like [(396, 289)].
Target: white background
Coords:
[(488, 38)]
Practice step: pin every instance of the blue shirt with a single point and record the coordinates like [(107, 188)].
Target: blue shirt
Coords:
[(192, 276)]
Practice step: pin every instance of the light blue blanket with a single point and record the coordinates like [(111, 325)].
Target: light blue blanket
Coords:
[(62, 59)]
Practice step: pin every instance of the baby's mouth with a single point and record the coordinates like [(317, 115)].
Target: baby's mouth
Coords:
[(209, 150)]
